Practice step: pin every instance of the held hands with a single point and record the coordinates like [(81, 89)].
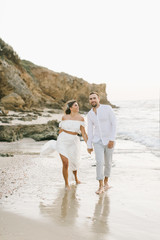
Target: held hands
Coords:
[(110, 144), (90, 150)]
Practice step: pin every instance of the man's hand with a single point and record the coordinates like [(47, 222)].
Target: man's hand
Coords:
[(90, 150), (110, 144)]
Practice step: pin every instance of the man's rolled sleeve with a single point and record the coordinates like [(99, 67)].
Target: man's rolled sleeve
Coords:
[(113, 123)]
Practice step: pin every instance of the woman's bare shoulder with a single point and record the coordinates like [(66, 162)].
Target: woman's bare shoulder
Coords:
[(64, 117), (81, 118)]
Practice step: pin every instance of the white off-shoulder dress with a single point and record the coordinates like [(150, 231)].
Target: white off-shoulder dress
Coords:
[(67, 144)]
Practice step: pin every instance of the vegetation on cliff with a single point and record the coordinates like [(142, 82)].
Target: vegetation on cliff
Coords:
[(7, 53)]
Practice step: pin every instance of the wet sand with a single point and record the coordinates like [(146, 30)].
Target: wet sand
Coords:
[(35, 205)]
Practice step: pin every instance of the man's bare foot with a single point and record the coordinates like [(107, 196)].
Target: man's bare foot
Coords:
[(106, 187), (100, 190)]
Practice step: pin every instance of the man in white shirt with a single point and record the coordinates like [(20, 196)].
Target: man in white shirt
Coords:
[(101, 134)]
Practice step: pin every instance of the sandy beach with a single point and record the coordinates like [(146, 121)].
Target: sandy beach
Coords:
[(35, 205)]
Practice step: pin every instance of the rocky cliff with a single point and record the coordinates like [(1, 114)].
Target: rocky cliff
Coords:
[(26, 86)]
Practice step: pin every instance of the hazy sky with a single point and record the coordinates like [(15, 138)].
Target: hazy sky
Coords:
[(116, 42)]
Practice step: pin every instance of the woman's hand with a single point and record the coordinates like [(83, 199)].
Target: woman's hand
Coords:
[(90, 150), (110, 144)]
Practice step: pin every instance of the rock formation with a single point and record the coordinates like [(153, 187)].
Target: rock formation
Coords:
[(26, 86), (38, 132)]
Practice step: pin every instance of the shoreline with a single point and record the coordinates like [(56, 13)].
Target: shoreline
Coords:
[(41, 207), (19, 118)]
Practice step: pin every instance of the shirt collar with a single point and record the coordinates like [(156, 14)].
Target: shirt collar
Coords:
[(97, 108)]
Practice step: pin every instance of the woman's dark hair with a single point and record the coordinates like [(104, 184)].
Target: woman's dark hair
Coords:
[(69, 105)]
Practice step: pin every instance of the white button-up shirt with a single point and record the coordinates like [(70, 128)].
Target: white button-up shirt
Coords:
[(101, 125)]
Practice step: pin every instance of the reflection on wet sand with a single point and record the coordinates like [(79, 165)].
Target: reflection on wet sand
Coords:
[(100, 216), (64, 209)]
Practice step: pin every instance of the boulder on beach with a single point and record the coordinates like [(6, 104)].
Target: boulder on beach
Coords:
[(38, 132)]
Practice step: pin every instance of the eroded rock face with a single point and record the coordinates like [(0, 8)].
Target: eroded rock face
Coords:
[(24, 86), (3, 112), (38, 132), (13, 100)]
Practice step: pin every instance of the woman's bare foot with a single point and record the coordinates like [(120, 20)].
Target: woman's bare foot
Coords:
[(78, 182), (67, 187), (100, 190)]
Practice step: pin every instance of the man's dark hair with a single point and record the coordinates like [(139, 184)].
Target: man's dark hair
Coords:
[(94, 93)]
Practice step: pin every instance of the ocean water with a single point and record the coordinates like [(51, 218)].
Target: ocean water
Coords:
[(139, 121)]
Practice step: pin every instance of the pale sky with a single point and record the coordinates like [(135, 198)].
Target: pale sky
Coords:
[(116, 42)]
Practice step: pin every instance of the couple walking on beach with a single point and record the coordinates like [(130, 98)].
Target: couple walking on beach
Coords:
[(101, 134)]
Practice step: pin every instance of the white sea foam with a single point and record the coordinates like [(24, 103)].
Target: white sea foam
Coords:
[(139, 121)]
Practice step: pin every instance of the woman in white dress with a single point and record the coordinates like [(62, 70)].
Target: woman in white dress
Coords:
[(68, 142)]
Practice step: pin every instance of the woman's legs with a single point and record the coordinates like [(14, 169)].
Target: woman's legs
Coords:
[(65, 170), (76, 178)]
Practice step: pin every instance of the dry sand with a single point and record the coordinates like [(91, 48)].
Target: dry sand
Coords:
[(35, 205)]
